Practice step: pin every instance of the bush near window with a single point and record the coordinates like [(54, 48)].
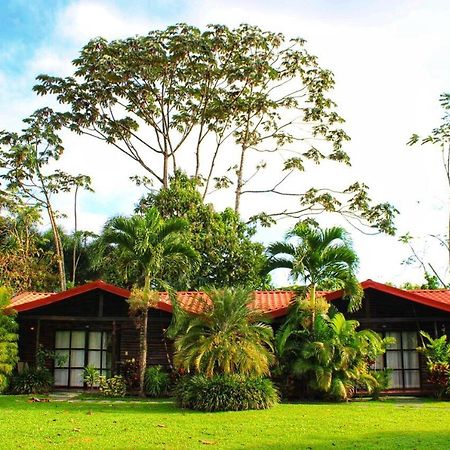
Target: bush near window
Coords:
[(91, 376), (112, 387), (437, 353), (156, 381), (225, 393), (33, 380)]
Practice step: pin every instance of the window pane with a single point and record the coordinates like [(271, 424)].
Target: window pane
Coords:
[(63, 355), (412, 379), (61, 377), (77, 358), (379, 363), (78, 339), (396, 379), (409, 339), (106, 373), (107, 341), (94, 358), (394, 359), (95, 339), (107, 360), (396, 335), (62, 339), (76, 377), (410, 360)]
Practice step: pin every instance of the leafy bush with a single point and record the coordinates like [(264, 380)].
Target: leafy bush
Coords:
[(437, 353), (91, 376), (112, 387), (383, 378), (225, 393), (156, 381), (32, 381), (129, 369)]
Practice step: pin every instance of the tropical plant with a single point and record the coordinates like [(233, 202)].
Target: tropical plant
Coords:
[(319, 258), (91, 376), (383, 378), (225, 393), (145, 242), (437, 353), (157, 381), (225, 337), (112, 387), (32, 380), (334, 357), (8, 339)]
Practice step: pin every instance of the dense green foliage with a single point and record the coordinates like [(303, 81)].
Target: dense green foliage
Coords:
[(91, 376), (76, 425), (32, 380), (112, 387), (226, 337), (228, 257), (8, 339), (157, 381), (437, 353), (225, 393)]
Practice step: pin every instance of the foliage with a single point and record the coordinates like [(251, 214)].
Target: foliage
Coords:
[(32, 380), (43, 355), (320, 258), (8, 339), (225, 393), (228, 257), (183, 92), (328, 353), (146, 242), (26, 159), (112, 387), (129, 369), (437, 353), (225, 337), (157, 381), (383, 378), (91, 376)]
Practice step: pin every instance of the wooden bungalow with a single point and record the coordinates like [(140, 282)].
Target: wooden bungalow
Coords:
[(90, 325)]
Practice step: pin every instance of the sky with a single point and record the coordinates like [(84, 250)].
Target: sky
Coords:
[(390, 60)]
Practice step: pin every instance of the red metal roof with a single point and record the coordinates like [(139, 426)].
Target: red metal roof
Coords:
[(275, 303)]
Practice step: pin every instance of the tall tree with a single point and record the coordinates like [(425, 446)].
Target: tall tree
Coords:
[(145, 241), (225, 98), (25, 161), (228, 256), (319, 258), (8, 339), (439, 137)]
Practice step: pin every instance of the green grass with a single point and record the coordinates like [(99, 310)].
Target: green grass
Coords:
[(112, 424)]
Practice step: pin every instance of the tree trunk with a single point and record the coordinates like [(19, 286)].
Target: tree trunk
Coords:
[(58, 248), (166, 170), (75, 243), (143, 352), (240, 182)]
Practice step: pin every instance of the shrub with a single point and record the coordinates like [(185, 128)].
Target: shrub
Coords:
[(156, 381), (112, 387), (91, 376), (225, 393), (32, 381), (129, 369), (383, 378)]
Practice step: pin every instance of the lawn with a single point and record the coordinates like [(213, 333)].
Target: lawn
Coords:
[(95, 424)]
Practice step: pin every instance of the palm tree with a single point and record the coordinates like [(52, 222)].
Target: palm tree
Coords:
[(145, 242), (336, 357), (320, 258), (227, 337)]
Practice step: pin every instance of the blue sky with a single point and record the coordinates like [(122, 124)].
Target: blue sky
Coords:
[(390, 59)]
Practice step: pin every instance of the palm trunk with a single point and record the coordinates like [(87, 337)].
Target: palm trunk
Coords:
[(143, 342), (312, 298)]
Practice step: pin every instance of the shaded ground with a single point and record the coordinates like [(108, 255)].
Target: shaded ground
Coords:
[(130, 424)]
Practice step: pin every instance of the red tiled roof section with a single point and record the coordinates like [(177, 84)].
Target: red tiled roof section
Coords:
[(441, 296), (28, 297)]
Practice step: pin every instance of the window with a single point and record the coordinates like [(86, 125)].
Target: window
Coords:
[(80, 349), (403, 359)]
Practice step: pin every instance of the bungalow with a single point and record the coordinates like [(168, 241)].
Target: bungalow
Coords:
[(90, 325)]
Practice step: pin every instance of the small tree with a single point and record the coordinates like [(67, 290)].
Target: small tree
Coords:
[(8, 339), (226, 337)]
